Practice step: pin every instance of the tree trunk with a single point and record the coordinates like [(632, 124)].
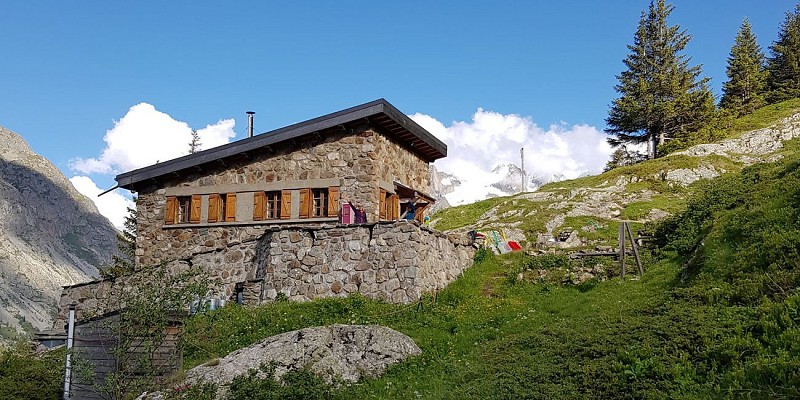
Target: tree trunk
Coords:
[(651, 147)]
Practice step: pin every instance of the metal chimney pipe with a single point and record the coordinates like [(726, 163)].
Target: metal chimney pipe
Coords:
[(250, 123)]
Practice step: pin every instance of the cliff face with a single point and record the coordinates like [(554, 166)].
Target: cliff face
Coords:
[(50, 235)]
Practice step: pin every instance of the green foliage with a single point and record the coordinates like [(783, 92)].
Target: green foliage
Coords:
[(661, 96), (784, 63), (294, 385), (740, 244), (148, 304), (743, 93), (724, 125), (27, 376), (123, 262)]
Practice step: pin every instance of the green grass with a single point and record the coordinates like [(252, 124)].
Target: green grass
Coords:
[(483, 337), (457, 217), (717, 314), (763, 117)]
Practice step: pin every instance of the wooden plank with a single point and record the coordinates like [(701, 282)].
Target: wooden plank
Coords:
[(621, 232), (635, 250)]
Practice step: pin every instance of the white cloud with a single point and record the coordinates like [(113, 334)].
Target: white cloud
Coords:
[(142, 137), (145, 136), (113, 205), (475, 148)]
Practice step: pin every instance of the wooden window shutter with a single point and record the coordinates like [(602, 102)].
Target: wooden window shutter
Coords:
[(230, 207), (172, 210), (333, 201), (382, 204), (395, 214), (305, 203), (420, 215), (213, 207), (259, 206), (286, 204), (194, 215)]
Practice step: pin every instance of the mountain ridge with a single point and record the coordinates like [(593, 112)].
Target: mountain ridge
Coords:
[(50, 236)]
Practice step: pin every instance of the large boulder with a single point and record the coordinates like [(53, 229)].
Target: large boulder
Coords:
[(338, 352)]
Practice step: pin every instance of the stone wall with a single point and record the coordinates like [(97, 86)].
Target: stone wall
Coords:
[(397, 262), (394, 261), (358, 161), (396, 162)]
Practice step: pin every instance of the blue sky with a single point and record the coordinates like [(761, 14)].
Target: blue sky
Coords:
[(69, 70)]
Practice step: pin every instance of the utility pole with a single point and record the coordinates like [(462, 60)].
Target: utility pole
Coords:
[(522, 166)]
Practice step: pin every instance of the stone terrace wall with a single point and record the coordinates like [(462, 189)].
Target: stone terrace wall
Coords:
[(396, 261)]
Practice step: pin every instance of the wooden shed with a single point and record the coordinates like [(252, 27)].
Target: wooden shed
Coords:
[(98, 358)]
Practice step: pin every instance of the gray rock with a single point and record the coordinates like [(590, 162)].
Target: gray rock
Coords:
[(338, 352), (50, 235)]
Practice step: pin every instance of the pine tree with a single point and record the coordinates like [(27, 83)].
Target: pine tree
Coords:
[(784, 63), (194, 145), (123, 261), (744, 91), (661, 97)]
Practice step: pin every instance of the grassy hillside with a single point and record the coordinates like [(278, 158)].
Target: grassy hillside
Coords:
[(644, 192), (717, 314)]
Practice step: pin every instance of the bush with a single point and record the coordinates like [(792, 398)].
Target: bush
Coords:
[(24, 375)]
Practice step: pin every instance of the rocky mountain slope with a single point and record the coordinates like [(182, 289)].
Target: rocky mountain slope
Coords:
[(50, 235), (591, 207)]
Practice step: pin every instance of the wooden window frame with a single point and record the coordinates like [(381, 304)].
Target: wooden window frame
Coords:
[(273, 205), (184, 209), (319, 203), (267, 205)]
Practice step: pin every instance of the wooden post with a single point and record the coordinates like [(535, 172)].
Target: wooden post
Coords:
[(622, 248), (635, 250)]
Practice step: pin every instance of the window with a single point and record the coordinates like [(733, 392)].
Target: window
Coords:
[(266, 205), (183, 209), (388, 206), (319, 203), (222, 208)]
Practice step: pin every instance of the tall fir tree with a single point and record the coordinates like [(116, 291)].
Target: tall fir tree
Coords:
[(661, 96), (123, 262), (744, 91), (784, 63)]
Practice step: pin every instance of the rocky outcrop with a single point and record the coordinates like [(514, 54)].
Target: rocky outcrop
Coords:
[(345, 353), (50, 235), (751, 147), (606, 201)]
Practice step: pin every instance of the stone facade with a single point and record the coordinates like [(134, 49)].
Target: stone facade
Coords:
[(394, 261), (359, 163), (199, 211)]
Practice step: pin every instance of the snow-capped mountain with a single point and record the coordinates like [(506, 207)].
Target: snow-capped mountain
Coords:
[(505, 179)]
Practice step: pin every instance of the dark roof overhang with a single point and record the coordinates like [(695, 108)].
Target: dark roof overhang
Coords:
[(390, 121)]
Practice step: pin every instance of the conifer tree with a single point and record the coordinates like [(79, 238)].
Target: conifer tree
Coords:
[(123, 262), (661, 96), (744, 91), (194, 144), (784, 63)]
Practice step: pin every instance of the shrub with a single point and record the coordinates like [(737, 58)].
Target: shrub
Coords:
[(24, 375)]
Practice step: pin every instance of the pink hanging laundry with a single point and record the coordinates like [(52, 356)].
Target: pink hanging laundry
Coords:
[(348, 216)]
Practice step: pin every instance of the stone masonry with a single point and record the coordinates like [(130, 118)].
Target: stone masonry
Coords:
[(356, 161), (394, 261)]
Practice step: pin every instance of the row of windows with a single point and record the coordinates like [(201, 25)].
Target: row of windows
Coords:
[(270, 205)]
